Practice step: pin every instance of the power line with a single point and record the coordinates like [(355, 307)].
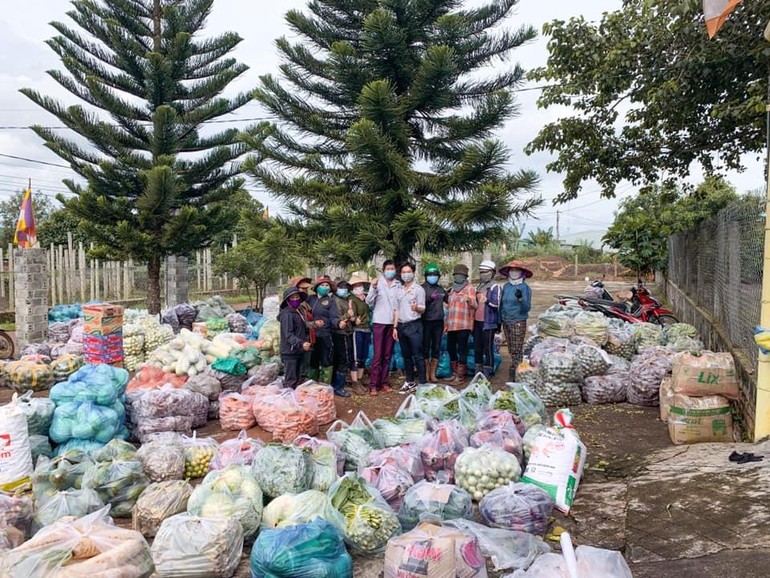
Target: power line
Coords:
[(33, 161)]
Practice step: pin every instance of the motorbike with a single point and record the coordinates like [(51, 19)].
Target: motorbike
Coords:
[(642, 308)]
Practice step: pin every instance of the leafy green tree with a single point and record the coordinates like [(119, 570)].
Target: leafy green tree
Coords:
[(42, 206), (157, 182), (385, 136), (652, 94), (542, 237), (644, 222), (53, 229)]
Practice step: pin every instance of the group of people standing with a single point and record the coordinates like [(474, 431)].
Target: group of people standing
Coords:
[(326, 335)]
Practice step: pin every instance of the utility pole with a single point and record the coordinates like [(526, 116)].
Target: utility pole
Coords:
[(558, 214)]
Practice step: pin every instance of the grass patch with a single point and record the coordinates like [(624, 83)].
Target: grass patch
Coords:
[(8, 326)]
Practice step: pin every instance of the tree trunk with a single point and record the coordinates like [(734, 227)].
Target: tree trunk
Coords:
[(153, 285)]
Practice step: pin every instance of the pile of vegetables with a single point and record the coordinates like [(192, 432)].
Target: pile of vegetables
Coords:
[(232, 492), (521, 507), (481, 470), (293, 509), (158, 502), (323, 398), (440, 449), (356, 441), (281, 469), (133, 346)]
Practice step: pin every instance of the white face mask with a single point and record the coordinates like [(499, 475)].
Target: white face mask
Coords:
[(358, 290), (515, 274)]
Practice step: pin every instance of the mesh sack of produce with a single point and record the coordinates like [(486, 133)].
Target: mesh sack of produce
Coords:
[(198, 453), (216, 325), (548, 345), (16, 511), (237, 323), (58, 332), (559, 378), (676, 331), (618, 364), (65, 365), (610, 388), (529, 407), (158, 502), (235, 412), (163, 402), (118, 483), (323, 396), (593, 325), (61, 473), (294, 509), (521, 507), (38, 411), (162, 460), (188, 546), (481, 470), (156, 335), (305, 551), (531, 343), (495, 418), (397, 431), (87, 546), (239, 451), (391, 480), (645, 374), (232, 492), (621, 342), (133, 339), (646, 334), (75, 503), (281, 469), (33, 349), (264, 374), (593, 361), (504, 437), (407, 457), (687, 345), (707, 374), (434, 501), (438, 551), (559, 325), (527, 373), (440, 449), (357, 440), (29, 376)]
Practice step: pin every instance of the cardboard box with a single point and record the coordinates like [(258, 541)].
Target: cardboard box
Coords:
[(693, 420), (102, 319), (706, 374)]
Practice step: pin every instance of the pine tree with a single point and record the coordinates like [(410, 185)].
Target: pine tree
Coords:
[(387, 110), (156, 183)]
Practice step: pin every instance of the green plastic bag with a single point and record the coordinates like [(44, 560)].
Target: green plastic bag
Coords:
[(303, 551), (229, 365), (248, 356)]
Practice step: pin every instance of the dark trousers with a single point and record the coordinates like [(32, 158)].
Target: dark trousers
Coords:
[(291, 370), (483, 344), (343, 351), (457, 345), (383, 351), (323, 352), (432, 331), (363, 341), (410, 338)]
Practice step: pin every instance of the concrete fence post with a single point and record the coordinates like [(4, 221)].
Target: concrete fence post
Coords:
[(31, 295), (177, 280)]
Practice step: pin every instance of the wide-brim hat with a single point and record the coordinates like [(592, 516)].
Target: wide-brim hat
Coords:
[(321, 279), (293, 291), (358, 278), (505, 269), (298, 280), (461, 270)]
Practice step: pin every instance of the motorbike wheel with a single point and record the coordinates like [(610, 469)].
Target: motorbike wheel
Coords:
[(6, 346), (664, 320)]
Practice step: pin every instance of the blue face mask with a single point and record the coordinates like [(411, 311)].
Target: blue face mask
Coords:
[(390, 275), (322, 291), (432, 279), (407, 277), (342, 293)]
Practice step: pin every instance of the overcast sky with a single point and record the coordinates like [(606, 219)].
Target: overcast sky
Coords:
[(24, 58)]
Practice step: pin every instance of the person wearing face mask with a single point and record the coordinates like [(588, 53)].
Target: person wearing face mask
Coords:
[(408, 332), (295, 335), (324, 309), (515, 301), (362, 331), (303, 284), (432, 320), (485, 321), (459, 322), (342, 337), (383, 296)]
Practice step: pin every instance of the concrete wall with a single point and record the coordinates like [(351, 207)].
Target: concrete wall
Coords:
[(31, 296)]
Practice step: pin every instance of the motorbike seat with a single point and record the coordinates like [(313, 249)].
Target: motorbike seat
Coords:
[(616, 304)]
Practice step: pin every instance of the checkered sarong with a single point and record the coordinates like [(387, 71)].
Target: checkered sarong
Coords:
[(515, 333)]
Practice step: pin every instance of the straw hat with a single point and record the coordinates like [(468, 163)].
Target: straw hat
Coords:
[(324, 279), (515, 265), (358, 278)]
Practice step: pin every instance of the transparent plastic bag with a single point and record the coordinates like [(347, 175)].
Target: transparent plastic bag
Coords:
[(323, 396), (590, 563), (40, 446), (207, 385), (240, 451), (592, 360), (198, 453), (294, 509), (38, 411), (162, 460), (592, 325), (504, 437), (433, 501), (520, 507), (281, 469), (293, 417), (235, 412), (118, 483), (328, 461), (356, 440), (647, 370), (397, 431), (390, 480), (529, 407), (496, 418), (234, 492), (264, 374), (369, 527), (65, 365), (482, 470), (610, 388), (75, 503), (16, 511), (158, 502), (61, 473), (406, 457), (188, 546), (440, 449)]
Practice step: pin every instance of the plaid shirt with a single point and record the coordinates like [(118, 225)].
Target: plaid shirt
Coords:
[(462, 308)]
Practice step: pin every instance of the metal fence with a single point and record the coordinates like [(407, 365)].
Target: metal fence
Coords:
[(718, 267)]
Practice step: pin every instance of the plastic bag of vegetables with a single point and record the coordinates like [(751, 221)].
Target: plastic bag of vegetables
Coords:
[(235, 412), (232, 492), (65, 365), (397, 431), (118, 483), (521, 507), (40, 446), (115, 450), (240, 451), (38, 411), (555, 325), (162, 460), (621, 342), (311, 550), (611, 388), (647, 370), (478, 392), (433, 501), (27, 375), (439, 451), (264, 374), (61, 473), (356, 440), (149, 377), (187, 546), (291, 417), (593, 325), (412, 408), (87, 546), (16, 511), (76, 503), (158, 502), (407, 457), (10, 538), (592, 360), (481, 470), (207, 385), (646, 334), (198, 453), (390, 480), (504, 437), (529, 407), (322, 396), (281, 469), (495, 418), (228, 381), (294, 509)]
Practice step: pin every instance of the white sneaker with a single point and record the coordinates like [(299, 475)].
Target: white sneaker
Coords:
[(408, 387)]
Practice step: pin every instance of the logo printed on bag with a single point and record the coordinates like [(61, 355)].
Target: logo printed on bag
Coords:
[(708, 378), (5, 444)]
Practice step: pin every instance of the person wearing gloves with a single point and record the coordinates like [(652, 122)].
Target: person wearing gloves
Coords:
[(362, 330), (408, 332), (383, 296), (459, 322), (432, 320), (485, 321), (342, 338), (295, 335), (326, 316), (514, 301)]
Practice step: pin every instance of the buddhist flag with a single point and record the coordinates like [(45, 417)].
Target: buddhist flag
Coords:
[(716, 12), (25, 228)]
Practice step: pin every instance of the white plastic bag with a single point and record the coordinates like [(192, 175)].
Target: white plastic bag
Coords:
[(584, 562), (15, 452)]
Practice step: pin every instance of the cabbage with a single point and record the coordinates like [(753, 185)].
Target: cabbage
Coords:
[(294, 509)]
